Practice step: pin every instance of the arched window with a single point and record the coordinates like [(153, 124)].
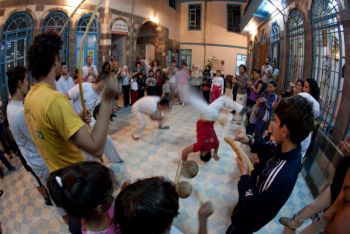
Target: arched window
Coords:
[(275, 43), (296, 47), (263, 38), (170, 57), (55, 21), (328, 59), (15, 38), (90, 47), (255, 53)]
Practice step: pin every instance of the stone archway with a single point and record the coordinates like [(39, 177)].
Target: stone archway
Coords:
[(150, 32)]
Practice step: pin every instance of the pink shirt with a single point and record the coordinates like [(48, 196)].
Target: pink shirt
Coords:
[(184, 76), (109, 230)]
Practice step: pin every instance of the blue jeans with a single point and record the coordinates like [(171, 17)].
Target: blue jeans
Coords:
[(5, 162), (4, 137), (260, 127), (250, 129)]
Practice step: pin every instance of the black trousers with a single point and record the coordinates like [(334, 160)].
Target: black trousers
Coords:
[(206, 95), (151, 90), (141, 93), (126, 97), (159, 91)]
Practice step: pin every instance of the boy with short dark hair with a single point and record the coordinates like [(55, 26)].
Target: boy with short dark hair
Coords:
[(141, 85), (151, 84), (263, 194)]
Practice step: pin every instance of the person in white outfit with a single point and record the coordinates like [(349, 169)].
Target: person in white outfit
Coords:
[(152, 106), (92, 96), (18, 84), (90, 70), (182, 77), (206, 136)]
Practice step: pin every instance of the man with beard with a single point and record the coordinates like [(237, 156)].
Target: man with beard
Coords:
[(265, 70), (65, 83)]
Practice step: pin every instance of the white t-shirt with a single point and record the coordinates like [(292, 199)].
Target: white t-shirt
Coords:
[(316, 108), (147, 105), (134, 85), (218, 81), (20, 131), (265, 69), (86, 71), (92, 99)]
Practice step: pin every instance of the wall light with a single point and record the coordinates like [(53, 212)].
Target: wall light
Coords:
[(74, 2), (154, 19)]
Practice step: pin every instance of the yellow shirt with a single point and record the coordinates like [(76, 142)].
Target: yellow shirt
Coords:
[(52, 121)]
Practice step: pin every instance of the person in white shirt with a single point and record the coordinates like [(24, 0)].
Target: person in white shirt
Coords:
[(18, 83), (217, 87), (92, 97), (152, 106), (65, 83), (90, 70), (265, 70), (134, 90), (126, 86)]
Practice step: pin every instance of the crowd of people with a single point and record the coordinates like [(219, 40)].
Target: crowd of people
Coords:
[(62, 147)]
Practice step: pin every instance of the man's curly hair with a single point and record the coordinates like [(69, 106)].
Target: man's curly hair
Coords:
[(297, 114), (42, 53)]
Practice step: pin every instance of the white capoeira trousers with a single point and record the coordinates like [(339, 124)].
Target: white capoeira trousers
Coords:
[(183, 90), (212, 111), (111, 153), (141, 122), (320, 203)]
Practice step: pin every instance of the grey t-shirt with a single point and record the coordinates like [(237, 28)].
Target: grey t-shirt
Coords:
[(172, 72), (166, 88), (242, 85)]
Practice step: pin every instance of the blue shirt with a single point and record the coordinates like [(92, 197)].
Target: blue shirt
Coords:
[(267, 106), (63, 85)]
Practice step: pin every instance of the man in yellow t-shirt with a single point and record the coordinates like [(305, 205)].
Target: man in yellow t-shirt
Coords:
[(57, 131)]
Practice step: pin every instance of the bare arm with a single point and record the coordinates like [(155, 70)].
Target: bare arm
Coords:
[(186, 152), (203, 214)]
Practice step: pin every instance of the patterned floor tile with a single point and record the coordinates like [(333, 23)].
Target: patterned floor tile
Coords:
[(22, 209)]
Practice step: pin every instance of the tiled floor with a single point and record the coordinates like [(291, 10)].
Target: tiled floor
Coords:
[(22, 209)]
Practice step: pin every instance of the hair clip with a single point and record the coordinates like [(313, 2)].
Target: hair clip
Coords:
[(59, 181)]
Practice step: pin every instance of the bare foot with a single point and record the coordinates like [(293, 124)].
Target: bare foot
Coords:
[(134, 138), (216, 157), (239, 123)]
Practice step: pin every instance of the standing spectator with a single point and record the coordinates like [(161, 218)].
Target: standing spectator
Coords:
[(134, 88), (184, 76), (155, 66), (151, 82), (296, 89), (241, 81), (65, 83), (126, 86), (207, 71), (137, 69), (141, 86), (196, 78), (206, 88), (90, 71), (76, 80), (159, 83), (106, 66), (115, 53), (274, 73), (256, 88), (139, 60), (171, 72), (265, 70), (217, 86), (5, 137)]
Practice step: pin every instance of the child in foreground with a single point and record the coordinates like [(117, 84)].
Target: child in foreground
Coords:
[(84, 190), (263, 194), (149, 206)]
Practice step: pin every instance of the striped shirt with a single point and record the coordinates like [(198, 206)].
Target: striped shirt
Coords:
[(254, 114)]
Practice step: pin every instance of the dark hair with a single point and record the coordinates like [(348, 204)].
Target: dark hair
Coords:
[(150, 71), (218, 71), (297, 114), (105, 65), (43, 52), (174, 61), (18, 73), (138, 63), (206, 67), (274, 62), (140, 73), (158, 70), (63, 64), (166, 78), (314, 89), (206, 157), (156, 61), (244, 67), (104, 74), (184, 64), (115, 45), (285, 94), (85, 186), (164, 103), (76, 74), (147, 206), (268, 58), (301, 81), (257, 71), (339, 176), (274, 83)]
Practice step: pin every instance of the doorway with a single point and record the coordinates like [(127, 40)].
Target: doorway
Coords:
[(150, 52), (120, 41)]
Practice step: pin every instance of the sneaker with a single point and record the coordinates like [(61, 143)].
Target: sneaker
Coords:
[(165, 127), (1, 192), (121, 161), (284, 222), (183, 105), (48, 202)]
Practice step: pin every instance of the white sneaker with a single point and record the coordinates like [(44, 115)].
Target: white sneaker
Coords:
[(183, 105)]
